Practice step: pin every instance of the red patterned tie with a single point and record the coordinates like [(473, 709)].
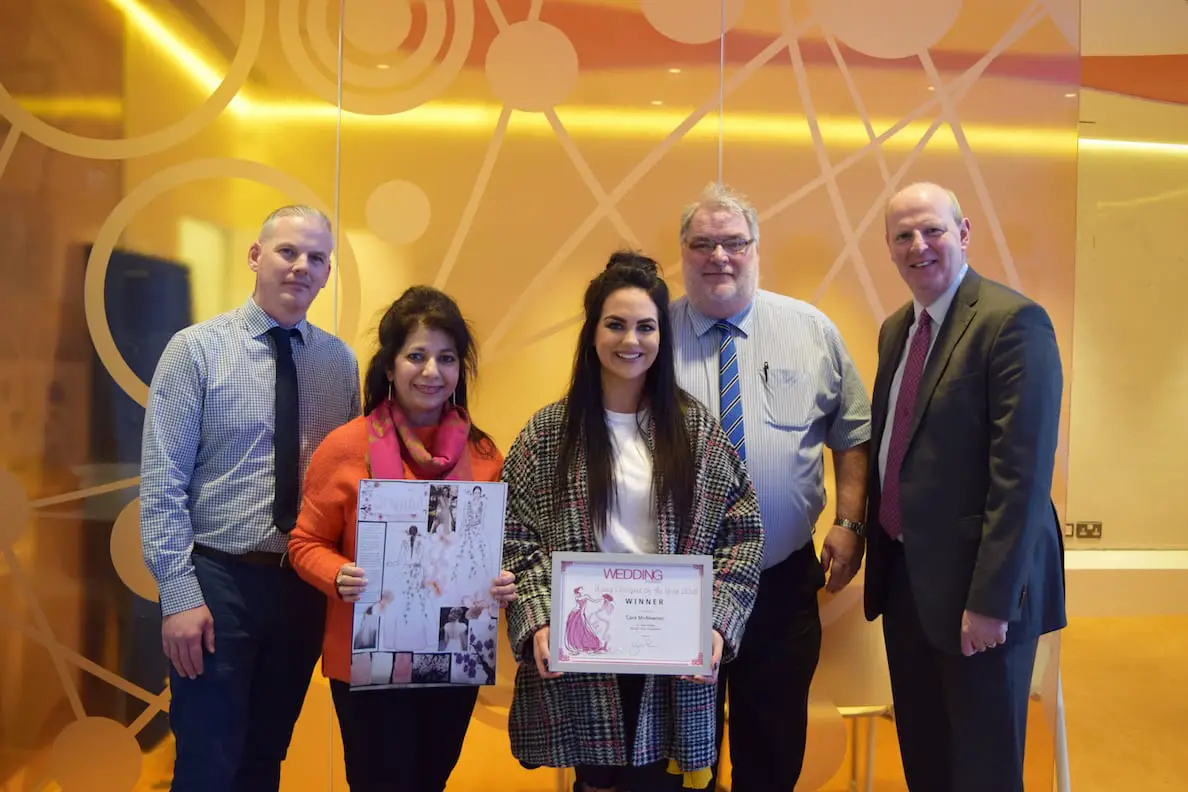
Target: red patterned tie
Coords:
[(905, 406)]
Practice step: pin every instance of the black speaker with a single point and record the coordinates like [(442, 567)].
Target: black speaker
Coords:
[(147, 301)]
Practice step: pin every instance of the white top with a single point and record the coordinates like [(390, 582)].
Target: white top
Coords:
[(631, 524)]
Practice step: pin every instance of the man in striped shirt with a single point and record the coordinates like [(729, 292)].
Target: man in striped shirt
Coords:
[(785, 387), (236, 407)]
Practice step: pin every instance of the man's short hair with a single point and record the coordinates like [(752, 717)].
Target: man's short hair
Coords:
[(294, 210), (719, 197)]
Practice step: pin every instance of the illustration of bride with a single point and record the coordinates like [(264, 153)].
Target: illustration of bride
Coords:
[(455, 632), (599, 621), (580, 637), (414, 616), (443, 515), (473, 563)]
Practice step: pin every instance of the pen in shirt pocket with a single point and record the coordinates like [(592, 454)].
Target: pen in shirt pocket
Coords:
[(765, 372)]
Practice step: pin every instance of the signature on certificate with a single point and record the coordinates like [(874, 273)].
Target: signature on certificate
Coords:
[(639, 644)]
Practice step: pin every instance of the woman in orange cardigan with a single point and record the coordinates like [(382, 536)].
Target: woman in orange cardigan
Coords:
[(415, 426)]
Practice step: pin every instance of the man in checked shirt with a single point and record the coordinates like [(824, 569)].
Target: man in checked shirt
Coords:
[(236, 406)]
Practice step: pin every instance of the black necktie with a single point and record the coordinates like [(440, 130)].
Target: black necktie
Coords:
[(286, 437)]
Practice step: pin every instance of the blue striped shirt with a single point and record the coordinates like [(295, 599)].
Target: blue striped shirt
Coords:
[(800, 392), (206, 468)]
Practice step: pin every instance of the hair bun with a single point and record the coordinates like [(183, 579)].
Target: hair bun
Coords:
[(627, 259)]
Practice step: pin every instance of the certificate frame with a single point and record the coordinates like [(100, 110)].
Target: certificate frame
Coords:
[(634, 582)]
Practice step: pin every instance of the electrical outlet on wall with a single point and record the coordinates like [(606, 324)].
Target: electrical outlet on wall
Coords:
[(1089, 530), (1068, 530)]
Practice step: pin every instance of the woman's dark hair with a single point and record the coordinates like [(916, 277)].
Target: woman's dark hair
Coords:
[(424, 306), (585, 420)]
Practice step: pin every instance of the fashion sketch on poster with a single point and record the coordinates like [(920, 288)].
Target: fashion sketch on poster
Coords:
[(412, 630), (473, 554)]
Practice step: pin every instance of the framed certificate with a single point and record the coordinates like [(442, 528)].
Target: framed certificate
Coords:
[(626, 613)]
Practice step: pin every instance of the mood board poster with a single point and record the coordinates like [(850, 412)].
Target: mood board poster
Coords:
[(430, 551)]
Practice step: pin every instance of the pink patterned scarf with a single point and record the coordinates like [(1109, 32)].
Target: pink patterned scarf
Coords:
[(395, 451)]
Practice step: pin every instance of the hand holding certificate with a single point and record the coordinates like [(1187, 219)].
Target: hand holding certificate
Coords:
[(617, 613)]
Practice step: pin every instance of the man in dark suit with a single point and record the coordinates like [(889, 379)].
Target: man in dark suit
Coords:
[(965, 556)]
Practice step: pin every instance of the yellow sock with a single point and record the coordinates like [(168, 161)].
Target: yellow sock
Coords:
[(693, 779)]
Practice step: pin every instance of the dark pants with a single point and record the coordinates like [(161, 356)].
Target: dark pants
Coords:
[(233, 723), (768, 682), (648, 778), (962, 721), (402, 739)]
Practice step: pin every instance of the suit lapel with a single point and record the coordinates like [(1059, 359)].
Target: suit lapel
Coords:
[(961, 313), (893, 348)]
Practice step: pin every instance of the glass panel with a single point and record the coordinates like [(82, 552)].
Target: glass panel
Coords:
[(143, 144), (501, 151), (830, 108)]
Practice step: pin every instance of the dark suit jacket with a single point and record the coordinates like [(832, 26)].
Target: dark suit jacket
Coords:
[(979, 527)]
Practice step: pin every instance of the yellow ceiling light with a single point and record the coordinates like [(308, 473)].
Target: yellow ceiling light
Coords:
[(1135, 146), (175, 49), (97, 108), (478, 118)]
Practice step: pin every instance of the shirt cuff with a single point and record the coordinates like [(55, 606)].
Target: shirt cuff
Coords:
[(181, 594)]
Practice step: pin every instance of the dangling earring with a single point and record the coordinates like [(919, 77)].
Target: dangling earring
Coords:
[(389, 390), (453, 403)]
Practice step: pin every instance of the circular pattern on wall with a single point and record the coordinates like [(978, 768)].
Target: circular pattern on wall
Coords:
[(889, 29), (149, 189), (825, 746), (377, 26), (127, 553), (14, 508), (692, 21), (398, 212), (96, 755), (98, 148), (532, 66), (411, 81)]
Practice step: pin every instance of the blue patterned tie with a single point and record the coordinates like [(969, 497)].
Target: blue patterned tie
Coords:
[(730, 410)]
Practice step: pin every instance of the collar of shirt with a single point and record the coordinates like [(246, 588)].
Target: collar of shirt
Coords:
[(940, 306), (258, 322), (742, 321)]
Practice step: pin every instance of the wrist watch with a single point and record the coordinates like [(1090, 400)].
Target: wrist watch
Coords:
[(851, 525)]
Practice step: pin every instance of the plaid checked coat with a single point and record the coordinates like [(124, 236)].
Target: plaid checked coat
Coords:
[(577, 719)]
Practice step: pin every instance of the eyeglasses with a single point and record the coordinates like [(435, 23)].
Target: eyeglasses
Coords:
[(732, 245)]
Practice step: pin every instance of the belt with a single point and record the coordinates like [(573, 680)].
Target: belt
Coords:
[(254, 557)]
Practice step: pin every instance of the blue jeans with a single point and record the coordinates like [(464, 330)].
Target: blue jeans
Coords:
[(233, 724)]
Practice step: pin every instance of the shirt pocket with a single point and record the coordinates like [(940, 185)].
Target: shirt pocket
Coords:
[(788, 399)]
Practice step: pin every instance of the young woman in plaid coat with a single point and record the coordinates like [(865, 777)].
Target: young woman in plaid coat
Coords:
[(627, 462)]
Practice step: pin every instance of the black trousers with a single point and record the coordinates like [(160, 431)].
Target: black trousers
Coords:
[(233, 723), (653, 777), (962, 721), (768, 682), (402, 739)]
